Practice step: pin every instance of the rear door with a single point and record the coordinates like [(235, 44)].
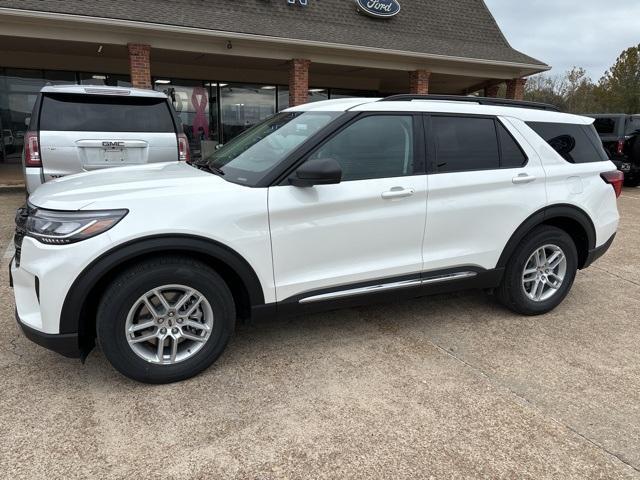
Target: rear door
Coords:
[(89, 132), (484, 181)]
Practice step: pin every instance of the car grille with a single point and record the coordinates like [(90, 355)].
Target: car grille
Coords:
[(21, 230)]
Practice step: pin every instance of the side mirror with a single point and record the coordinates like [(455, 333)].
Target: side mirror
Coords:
[(320, 171)]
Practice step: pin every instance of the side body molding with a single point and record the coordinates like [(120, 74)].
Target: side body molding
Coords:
[(74, 307)]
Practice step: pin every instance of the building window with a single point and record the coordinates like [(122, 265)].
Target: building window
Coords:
[(55, 77), (194, 102), (18, 92), (318, 94), (105, 79), (243, 106), (344, 93)]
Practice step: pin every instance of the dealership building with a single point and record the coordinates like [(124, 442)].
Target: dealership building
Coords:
[(228, 64)]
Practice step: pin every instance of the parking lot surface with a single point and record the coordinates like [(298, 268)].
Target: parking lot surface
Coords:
[(451, 386)]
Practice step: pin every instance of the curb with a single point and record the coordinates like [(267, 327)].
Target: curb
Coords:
[(11, 188)]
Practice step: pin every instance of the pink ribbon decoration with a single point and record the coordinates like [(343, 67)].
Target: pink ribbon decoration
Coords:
[(200, 100)]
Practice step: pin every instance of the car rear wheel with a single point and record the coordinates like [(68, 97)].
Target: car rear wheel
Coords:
[(165, 320), (540, 273), (632, 181)]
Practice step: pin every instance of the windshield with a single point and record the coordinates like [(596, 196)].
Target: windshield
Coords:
[(250, 156)]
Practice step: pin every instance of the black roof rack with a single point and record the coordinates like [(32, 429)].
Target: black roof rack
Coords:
[(498, 102)]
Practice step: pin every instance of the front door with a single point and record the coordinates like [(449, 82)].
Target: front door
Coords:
[(369, 227)]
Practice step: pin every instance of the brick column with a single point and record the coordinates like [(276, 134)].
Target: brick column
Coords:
[(298, 81), (139, 65), (492, 91), (515, 88), (419, 82)]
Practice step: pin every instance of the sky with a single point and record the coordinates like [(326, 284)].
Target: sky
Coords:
[(563, 33)]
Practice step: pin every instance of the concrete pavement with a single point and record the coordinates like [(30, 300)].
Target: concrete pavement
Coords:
[(451, 386)]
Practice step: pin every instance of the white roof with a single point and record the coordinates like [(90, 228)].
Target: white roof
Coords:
[(102, 90), (441, 106)]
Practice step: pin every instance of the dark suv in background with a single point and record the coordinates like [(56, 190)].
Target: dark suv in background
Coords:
[(620, 135)]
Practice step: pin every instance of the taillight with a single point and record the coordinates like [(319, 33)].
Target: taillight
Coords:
[(615, 179), (31, 150), (183, 148), (620, 147)]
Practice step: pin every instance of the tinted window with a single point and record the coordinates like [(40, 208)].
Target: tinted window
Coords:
[(512, 155), (93, 113), (377, 146), (605, 126), (576, 143), (633, 126), (250, 156), (464, 143)]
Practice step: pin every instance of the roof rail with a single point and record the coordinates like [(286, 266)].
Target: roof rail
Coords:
[(498, 102)]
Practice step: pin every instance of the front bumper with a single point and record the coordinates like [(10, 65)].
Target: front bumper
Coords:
[(63, 343), (42, 279)]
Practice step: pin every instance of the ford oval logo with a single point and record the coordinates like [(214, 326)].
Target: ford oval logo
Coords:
[(379, 8)]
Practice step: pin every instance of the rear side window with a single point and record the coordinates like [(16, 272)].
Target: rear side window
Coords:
[(575, 143), (93, 113), (512, 155), (465, 143)]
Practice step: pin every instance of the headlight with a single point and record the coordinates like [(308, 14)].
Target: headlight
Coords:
[(58, 228)]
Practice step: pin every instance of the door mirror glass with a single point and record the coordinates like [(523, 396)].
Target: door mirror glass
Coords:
[(320, 171)]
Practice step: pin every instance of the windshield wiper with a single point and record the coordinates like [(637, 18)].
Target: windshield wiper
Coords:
[(210, 168)]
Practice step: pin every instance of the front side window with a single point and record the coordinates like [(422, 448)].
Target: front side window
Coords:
[(465, 144), (250, 156), (376, 146), (575, 143)]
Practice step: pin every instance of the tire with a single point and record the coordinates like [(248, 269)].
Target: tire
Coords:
[(514, 293), (207, 319), (632, 182)]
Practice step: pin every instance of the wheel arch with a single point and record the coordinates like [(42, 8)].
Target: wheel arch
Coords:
[(80, 304), (573, 220)]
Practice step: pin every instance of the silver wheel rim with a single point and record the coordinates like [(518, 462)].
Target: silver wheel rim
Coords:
[(544, 273), (169, 324)]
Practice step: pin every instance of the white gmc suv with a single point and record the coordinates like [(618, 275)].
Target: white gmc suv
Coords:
[(325, 205)]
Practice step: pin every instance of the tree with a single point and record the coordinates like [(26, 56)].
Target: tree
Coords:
[(545, 89), (572, 92), (620, 85)]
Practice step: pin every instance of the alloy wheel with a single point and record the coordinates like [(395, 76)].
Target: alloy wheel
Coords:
[(169, 324), (544, 273)]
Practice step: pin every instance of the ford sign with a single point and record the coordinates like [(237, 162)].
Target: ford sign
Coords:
[(379, 8)]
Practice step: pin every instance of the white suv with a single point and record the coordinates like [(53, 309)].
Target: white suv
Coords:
[(325, 205)]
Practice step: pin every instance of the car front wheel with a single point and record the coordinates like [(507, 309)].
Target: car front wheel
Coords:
[(165, 320), (540, 273)]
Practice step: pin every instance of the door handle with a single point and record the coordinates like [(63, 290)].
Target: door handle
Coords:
[(398, 192), (523, 178)]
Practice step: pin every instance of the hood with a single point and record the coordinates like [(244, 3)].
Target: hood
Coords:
[(118, 185)]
